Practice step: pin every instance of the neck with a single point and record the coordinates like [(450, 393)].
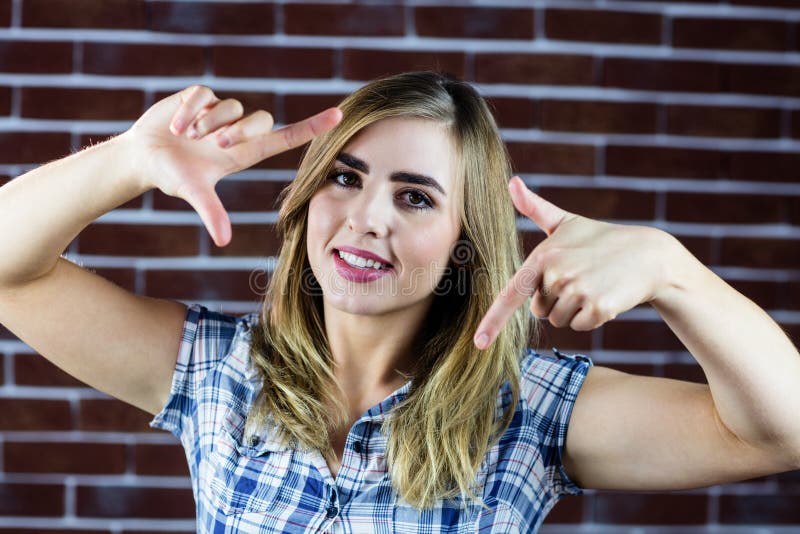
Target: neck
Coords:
[(371, 351)]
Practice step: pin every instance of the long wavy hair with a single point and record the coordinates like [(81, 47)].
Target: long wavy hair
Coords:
[(438, 436)]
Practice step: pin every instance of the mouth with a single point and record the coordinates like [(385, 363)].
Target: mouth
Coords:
[(357, 262)]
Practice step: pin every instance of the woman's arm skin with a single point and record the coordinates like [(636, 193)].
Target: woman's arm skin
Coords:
[(752, 367), (109, 338), (644, 433), (43, 210)]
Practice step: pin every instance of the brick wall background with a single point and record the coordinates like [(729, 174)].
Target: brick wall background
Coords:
[(680, 115)]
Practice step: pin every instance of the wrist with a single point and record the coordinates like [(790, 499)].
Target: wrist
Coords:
[(681, 271), (128, 155)]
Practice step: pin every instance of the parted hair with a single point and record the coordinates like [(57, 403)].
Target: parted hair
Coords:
[(439, 434)]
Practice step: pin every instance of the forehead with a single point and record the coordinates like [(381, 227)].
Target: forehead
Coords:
[(400, 143)]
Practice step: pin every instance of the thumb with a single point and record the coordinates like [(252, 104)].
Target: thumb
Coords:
[(546, 215), (208, 205)]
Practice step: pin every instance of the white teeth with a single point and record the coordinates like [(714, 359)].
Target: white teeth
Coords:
[(357, 261)]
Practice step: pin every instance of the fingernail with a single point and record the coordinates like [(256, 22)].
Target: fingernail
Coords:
[(193, 134), (482, 341)]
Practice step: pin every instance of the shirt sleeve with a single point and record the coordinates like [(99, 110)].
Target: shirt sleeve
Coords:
[(205, 340), (551, 385)]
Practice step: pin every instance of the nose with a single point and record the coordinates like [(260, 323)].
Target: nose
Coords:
[(370, 212)]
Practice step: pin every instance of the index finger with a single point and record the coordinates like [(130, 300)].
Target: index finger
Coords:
[(299, 133), (519, 288)]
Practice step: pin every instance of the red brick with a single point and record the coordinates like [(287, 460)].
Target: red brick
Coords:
[(541, 69), (794, 210), (730, 34), (89, 139), (763, 79), (662, 162), (35, 370), (651, 509), (599, 117), (236, 195), (767, 294), (251, 100), (40, 500), (143, 59), (722, 208), (112, 415), (474, 22), (124, 278), (297, 107), (256, 240), (556, 158), (600, 25), (765, 166), (701, 248), (795, 124), (71, 457), (684, 372), (766, 253), (639, 335), (603, 203), (139, 240), (216, 18), (81, 104), (564, 338), (723, 121), (773, 509), (764, 3), (284, 160), (271, 62), (5, 101), (35, 57), (661, 75), (345, 20), (33, 147), (160, 460), (196, 284), (111, 14), (512, 112), (34, 414), (639, 369), (567, 511), (140, 502), (5, 12), (358, 64)]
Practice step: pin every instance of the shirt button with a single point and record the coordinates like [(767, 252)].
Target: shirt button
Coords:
[(332, 511), (357, 447)]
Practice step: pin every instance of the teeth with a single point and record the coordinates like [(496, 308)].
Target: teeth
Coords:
[(357, 261)]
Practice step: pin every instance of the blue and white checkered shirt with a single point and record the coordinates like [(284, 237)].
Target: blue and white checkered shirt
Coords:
[(255, 484)]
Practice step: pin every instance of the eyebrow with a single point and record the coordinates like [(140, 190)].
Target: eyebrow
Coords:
[(398, 176)]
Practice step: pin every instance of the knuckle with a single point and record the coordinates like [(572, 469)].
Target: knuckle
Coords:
[(264, 115), (238, 108)]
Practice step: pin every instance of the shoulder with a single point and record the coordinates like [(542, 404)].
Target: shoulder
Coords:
[(546, 380)]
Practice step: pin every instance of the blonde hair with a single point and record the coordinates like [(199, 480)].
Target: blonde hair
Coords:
[(438, 436)]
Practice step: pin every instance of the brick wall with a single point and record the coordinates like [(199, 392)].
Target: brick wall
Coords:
[(680, 115)]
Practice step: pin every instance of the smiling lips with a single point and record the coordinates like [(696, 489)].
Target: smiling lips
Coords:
[(363, 269)]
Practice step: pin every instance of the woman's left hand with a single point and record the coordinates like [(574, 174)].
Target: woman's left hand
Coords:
[(584, 273)]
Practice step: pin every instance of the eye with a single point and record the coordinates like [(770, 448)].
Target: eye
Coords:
[(353, 180), (423, 201), (417, 200)]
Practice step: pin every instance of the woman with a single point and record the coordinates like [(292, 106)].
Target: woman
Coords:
[(387, 384)]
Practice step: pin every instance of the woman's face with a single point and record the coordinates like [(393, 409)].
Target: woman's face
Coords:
[(375, 201)]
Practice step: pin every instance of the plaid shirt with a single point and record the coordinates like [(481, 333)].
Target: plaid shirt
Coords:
[(256, 484)]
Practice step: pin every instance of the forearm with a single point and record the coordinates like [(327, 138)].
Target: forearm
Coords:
[(752, 367), (43, 210)]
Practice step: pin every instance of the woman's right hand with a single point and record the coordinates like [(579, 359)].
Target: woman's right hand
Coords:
[(189, 167)]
